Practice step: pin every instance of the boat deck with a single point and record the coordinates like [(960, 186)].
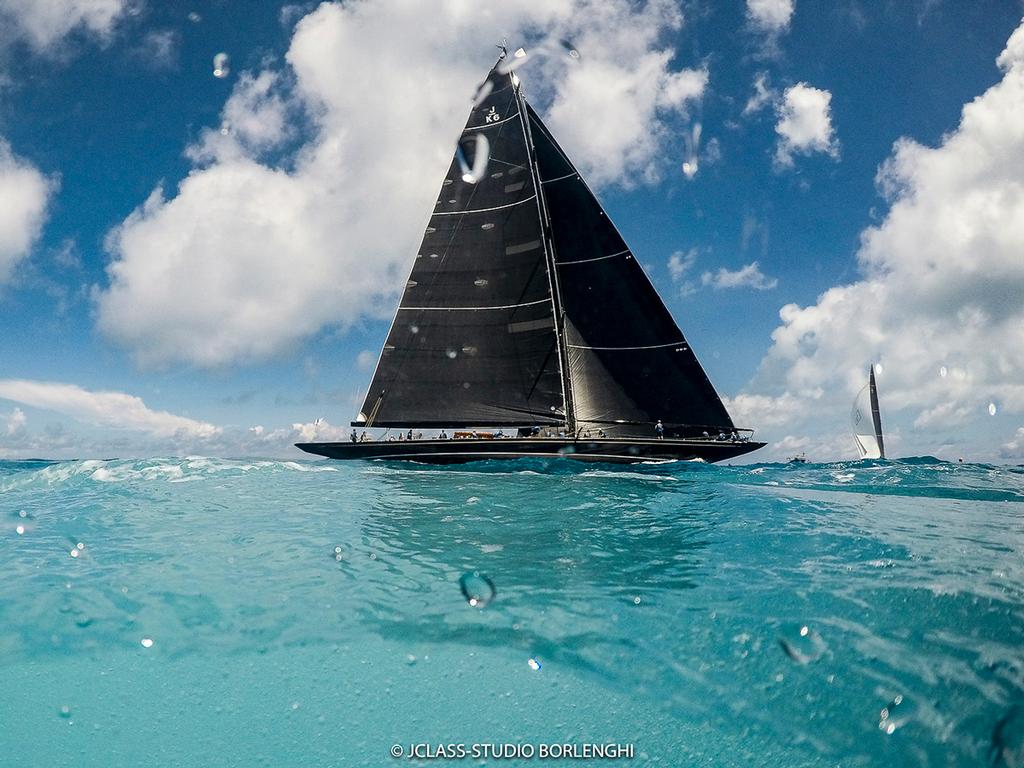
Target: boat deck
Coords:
[(614, 450)]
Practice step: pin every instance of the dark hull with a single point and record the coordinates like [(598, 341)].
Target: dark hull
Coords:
[(621, 451)]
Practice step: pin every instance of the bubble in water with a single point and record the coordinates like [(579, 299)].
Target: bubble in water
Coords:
[(20, 530), (943, 371), (23, 514), (636, 600), (477, 588), (73, 552), (534, 664), (147, 642), (803, 645), (79, 546), (221, 66), (894, 715), (339, 554), (65, 711), (992, 409)]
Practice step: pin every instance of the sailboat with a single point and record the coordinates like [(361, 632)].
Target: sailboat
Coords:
[(867, 421), (526, 311)]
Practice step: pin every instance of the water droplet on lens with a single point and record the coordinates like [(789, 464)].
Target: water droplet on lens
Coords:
[(65, 711), (477, 588), (534, 665), (570, 49), (636, 600), (414, 329), (992, 409), (194, 17), (20, 529), (147, 642), (80, 546), (452, 354), (23, 514), (803, 645), (220, 65), (482, 92), (943, 371), (73, 552)]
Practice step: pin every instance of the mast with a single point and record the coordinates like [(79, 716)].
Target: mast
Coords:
[(549, 254)]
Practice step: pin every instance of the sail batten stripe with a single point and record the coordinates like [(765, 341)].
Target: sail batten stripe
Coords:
[(596, 258), (472, 309), (626, 349), (485, 210)]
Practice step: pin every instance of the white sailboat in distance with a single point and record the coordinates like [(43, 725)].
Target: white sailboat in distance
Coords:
[(867, 421)]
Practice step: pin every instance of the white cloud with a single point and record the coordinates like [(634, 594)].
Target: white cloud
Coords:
[(24, 194), (365, 360), (16, 421), (253, 253), (680, 263), (749, 276), (804, 124), (763, 95), (107, 409), (43, 23), (941, 298), (771, 16)]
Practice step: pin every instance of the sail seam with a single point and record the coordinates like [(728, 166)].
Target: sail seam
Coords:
[(485, 210), (596, 258), (471, 309), (614, 349)]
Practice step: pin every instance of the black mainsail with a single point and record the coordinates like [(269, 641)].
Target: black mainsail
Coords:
[(526, 307)]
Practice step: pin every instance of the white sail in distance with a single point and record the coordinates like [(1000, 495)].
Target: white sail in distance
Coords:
[(867, 421)]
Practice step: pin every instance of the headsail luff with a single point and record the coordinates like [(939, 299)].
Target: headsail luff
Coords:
[(526, 307)]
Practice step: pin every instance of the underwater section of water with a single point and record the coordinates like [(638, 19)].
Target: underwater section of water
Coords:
[(208, 612)]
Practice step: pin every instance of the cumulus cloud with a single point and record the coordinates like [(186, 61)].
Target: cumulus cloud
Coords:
[(748, 276), (804, 124), (941, 298), (771, 16), (15, 422), (24, 195), (43, 23), (262, 245), (107, 409)]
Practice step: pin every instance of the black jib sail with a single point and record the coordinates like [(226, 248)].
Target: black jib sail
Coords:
[(526, 307)]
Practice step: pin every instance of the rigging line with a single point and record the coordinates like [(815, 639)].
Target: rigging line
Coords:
[(484, 210), (596, 258), (624, 349), (471, 309), (560, 178)]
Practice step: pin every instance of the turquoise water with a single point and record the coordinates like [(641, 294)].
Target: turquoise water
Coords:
[(867, 613)]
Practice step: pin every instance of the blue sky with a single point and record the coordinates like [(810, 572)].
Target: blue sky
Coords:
[(228, 250)]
